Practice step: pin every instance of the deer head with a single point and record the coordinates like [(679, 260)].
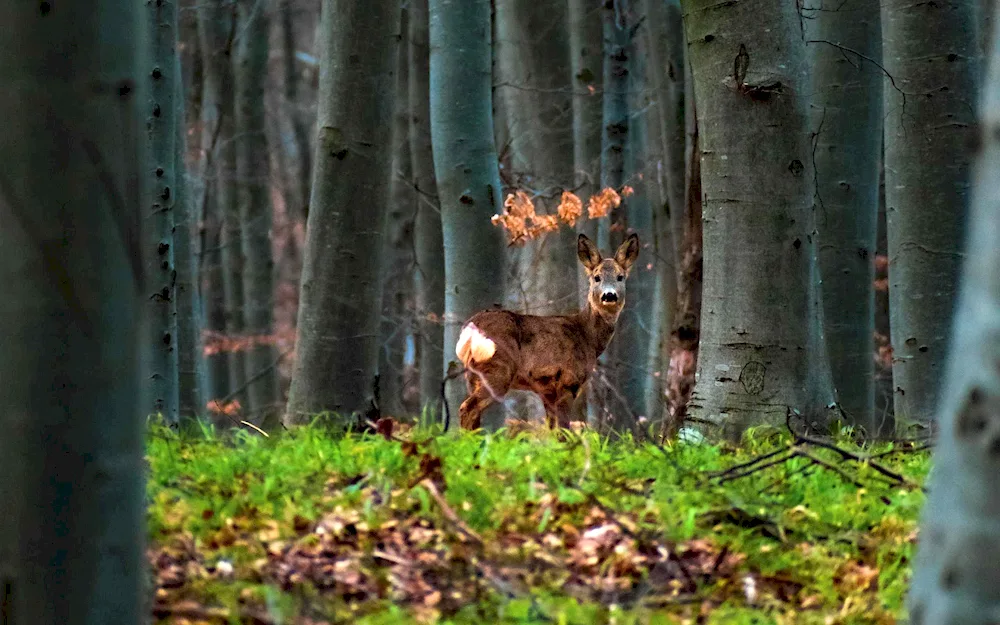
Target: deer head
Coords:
[(607, 276)]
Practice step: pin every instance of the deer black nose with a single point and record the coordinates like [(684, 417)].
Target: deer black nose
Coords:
[(609, 296)]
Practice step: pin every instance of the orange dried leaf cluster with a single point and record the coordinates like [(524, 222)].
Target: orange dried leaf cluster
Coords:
[(522, 223), (219, 343), (601, 204), (217, 407)]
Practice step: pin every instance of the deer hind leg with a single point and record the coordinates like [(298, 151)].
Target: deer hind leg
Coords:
[(486, 384)]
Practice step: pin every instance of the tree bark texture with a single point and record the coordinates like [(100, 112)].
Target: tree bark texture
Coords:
[(534, 85), (587, 67), (846, 52), (957, 569), (465, 165), (254, 199), (932, 58), (337, 349), (427, 227), (190, 359), (397, 278), (761, 349), (158, 207), (71, 410)]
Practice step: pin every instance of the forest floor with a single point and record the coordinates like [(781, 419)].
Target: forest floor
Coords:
[(412, 526)]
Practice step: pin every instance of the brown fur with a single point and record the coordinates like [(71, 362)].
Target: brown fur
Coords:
[(551, 356)]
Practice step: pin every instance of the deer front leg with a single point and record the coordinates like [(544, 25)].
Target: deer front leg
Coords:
[(558, 407)]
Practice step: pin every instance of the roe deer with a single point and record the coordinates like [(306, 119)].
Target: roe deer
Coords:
[(551, 355)]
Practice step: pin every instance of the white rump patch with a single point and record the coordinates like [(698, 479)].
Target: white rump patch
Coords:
[(473, 345)]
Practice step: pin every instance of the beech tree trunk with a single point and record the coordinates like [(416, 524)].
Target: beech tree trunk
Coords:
[(253, 174), (534, 85), (465, 164), (71, 262), (932, 55), (337, 350), (158, 207), (846, 52), (957, 569), (761, 350), (427, 228), (397, 278), (190, 359)]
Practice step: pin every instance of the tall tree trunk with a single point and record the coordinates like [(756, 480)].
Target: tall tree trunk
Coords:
[(761, 348), (158, 208), (253, 175), (845, 44), (957, 572), (71, 532), (300, 129), (337, 349), (190, 360), (534, 85), (617, 22), (932, 57), (587, 67), (465, 164), (397, 278), (639, 324), (216, 29), (427, 228)]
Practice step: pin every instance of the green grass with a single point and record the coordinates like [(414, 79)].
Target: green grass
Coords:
[(323, 528)]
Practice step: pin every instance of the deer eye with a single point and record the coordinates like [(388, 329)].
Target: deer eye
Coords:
[(620, 278), (597, 278)]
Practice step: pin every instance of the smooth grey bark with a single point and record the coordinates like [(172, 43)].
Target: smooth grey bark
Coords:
[(932, 56), (617, 26), (761, 350), (846, 52), (71, 411), (158, 207), (191, 382), (587, 67), (300, 128), (337, 349), (429, 248), (534, 87), (465, 165), (957, 569), (254, 198), (397, 264), (667, 72), (216, 28)]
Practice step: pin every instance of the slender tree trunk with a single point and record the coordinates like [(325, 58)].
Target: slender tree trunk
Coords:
[(618, 31), (427, 229), (216, 28), (932, 57), (465, 163), (761, 350), (639, 324), (397, 278), (534, 85), (957, 570), (71, 411), (190, 361), (300, 129), (845, 44), (253, 174), (337, 349), (158, 208), (587, 67)]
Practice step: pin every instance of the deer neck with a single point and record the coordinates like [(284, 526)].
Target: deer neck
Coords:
[(600, 326)]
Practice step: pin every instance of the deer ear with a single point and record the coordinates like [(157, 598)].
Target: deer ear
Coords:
[(628, 252), (589, 255)]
